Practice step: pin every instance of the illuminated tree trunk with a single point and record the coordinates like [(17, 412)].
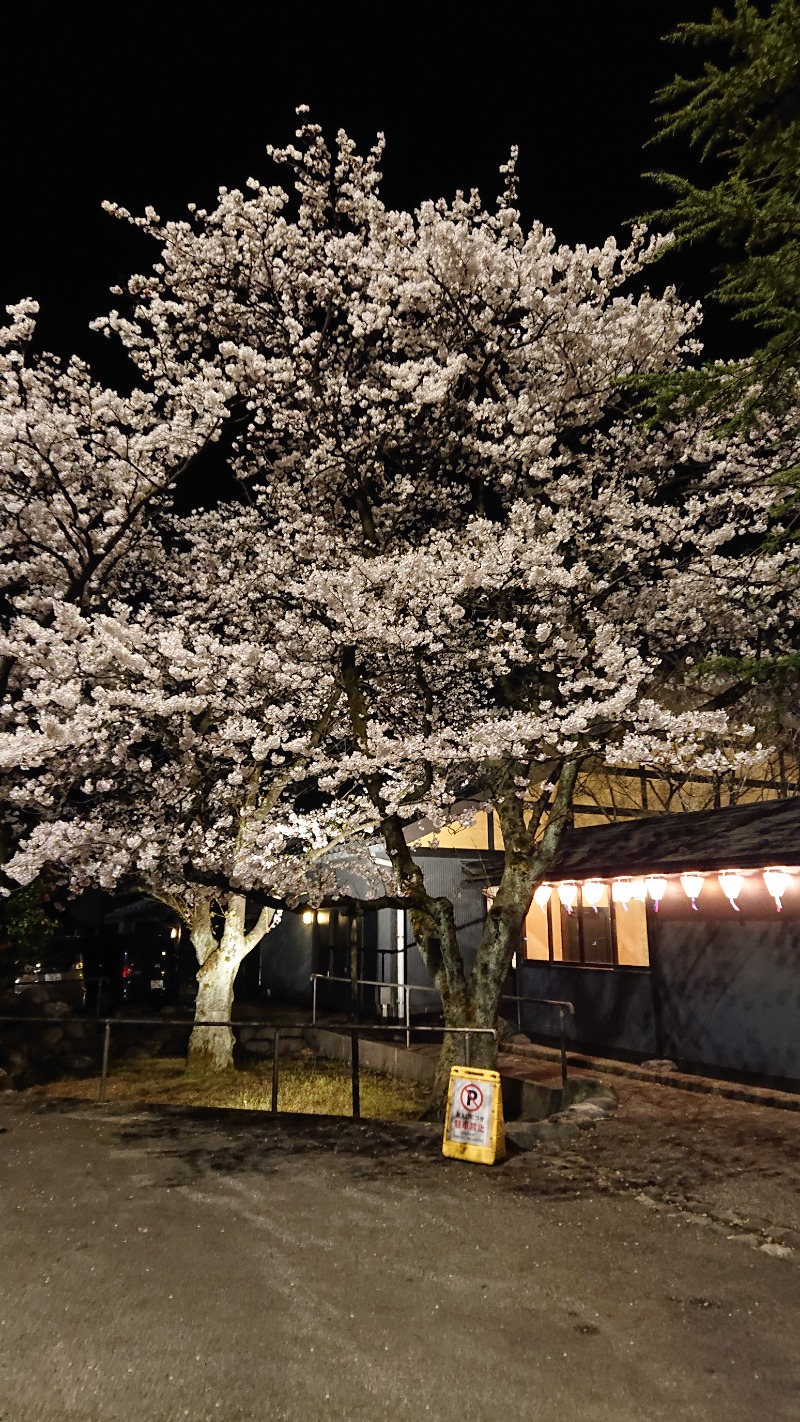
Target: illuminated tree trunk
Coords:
[(219, 961)]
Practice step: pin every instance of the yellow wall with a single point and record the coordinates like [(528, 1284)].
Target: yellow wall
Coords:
[(458, 836), (604, 795)]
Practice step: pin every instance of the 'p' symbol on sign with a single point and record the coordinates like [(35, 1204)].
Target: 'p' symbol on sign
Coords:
[(471, 1097)]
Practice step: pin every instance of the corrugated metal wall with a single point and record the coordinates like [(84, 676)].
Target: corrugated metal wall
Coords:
[(286, 960), (444, 877)]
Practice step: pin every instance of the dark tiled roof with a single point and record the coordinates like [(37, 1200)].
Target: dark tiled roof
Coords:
[(740, 837)]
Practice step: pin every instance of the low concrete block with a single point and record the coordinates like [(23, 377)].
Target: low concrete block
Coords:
[(522, 1100), (386, 1057)]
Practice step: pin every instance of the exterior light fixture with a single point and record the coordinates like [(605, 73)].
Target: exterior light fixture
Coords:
[(656, 887), (692, 887), (308, 916), (541, 895), (174, 932), (568, 894), (593, 892), (622, 892), (777, 882), (323, 916), (731, 885)]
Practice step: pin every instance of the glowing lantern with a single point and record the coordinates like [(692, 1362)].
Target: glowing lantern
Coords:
[(541, 895), (692, 886), (622, 891), (731, 886), (568, 894), (593, 892), (777, 882), (656, 888), (308, 916)]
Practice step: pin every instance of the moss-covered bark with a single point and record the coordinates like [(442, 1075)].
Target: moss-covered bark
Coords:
[(531, 835)]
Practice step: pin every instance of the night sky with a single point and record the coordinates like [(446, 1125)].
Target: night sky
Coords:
[(162, 110)]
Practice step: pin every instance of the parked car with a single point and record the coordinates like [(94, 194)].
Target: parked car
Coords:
[(58, 969), (147, 973), (134, 957)]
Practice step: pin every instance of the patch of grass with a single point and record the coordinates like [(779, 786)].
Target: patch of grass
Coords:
[(313, 1084)]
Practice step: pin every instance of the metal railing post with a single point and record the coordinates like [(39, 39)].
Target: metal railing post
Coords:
[(99, 999), (354, 1074), (104, 1069), (467, 1036), (563, 1047), (408, 1015), (313, 999), (276, 1046), (354, 995)]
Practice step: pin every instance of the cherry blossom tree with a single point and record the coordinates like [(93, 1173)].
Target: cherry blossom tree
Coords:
[(81, 466), (81, 469), (187, 749), (474, 567), (503, 571)]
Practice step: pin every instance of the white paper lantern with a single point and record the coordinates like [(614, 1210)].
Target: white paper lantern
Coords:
[(622, 892), (692, 886), (731, 885), (777, 882), (568, 894), (541, 895), (592, 892), (656, 888)]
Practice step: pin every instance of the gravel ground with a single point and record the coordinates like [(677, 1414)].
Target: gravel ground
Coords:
[(164, 1264)]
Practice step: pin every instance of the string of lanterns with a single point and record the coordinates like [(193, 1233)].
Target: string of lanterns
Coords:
[(626, 890)]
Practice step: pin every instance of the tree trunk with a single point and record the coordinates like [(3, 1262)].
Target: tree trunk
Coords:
[(476, 1003), (212, 1047), (476, 1006)]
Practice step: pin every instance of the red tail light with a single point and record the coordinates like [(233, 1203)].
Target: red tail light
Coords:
[(127, 971)]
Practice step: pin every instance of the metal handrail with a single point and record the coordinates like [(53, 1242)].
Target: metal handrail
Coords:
[(355, 1031), (563, 1004), (546, 1001), (406, 988)]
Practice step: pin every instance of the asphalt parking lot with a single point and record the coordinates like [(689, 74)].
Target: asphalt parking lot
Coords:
[(160, 1265)]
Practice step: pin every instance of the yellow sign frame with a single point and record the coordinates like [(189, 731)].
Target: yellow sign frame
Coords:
[(459, 1149)]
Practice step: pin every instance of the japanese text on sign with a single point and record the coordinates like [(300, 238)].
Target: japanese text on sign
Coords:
[(471, 1111)]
